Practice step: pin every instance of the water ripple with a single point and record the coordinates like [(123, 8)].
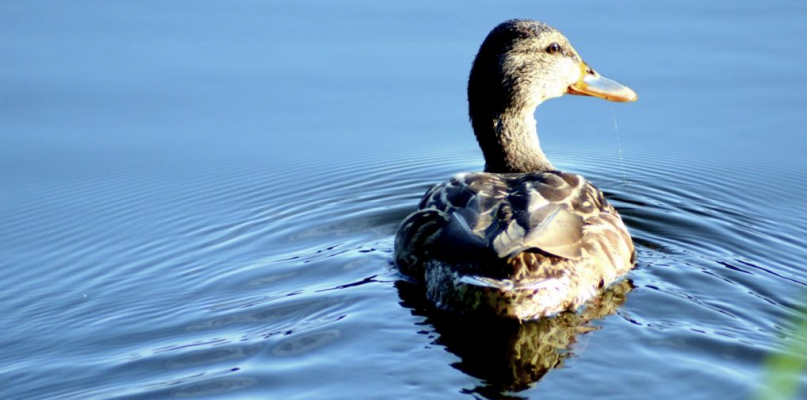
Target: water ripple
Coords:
[(226, 281)]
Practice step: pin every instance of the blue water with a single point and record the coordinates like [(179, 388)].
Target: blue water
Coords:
[(199, 199)]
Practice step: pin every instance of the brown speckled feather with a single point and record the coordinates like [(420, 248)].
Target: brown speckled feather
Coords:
[(549, 228)]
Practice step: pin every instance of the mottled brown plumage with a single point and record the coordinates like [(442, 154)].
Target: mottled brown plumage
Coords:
[(520, 240)]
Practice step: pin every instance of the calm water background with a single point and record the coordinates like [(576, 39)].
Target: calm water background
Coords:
[(198, 199)]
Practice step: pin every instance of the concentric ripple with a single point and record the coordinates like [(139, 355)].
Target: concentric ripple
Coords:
[(246, 283)]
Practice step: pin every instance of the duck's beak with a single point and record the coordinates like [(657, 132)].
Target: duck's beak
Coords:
[(593, 84)]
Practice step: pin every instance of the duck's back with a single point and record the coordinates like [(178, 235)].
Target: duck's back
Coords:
[(543, 237)]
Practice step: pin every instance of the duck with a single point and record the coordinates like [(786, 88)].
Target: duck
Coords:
[(520, 240)]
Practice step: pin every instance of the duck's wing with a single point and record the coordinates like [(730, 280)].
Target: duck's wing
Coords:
[(476, 216)]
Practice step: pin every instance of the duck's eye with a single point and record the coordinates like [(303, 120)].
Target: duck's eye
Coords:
[(553, 48)]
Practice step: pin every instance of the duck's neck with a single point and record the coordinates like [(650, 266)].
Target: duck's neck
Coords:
[(509, 140)]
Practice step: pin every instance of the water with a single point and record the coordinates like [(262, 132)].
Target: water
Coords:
[(199, 199), (619, 147)]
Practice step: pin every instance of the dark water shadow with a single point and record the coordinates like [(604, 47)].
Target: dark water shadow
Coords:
[(506, 355)]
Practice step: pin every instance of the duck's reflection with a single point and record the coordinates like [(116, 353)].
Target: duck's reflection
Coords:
[(506, 355)]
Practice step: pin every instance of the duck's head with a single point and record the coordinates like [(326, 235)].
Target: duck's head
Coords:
[(530, 61), (520, 64)]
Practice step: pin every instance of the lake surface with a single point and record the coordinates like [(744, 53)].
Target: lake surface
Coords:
[(199, 199)]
